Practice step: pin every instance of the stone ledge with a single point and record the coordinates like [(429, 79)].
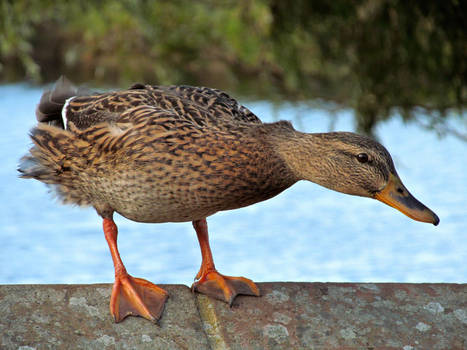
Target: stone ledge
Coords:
[(287, 316)]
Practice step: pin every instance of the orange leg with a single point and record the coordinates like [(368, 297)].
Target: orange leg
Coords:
[(130, 295), (211, 282)]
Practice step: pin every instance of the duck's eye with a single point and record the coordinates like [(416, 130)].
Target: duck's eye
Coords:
[(362, 157)]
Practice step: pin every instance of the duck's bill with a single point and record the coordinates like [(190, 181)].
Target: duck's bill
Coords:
[(397, 196)]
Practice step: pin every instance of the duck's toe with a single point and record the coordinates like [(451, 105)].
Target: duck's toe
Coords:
[(137, 297), (224, 288)]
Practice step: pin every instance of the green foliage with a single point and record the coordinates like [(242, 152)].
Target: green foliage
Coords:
[(373, 56)]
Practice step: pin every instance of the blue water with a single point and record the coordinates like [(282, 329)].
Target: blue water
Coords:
[(305, 234)]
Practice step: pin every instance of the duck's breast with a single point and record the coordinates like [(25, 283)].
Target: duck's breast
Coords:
[(188, 178)]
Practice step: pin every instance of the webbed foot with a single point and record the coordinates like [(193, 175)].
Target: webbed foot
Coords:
[(224, 288)]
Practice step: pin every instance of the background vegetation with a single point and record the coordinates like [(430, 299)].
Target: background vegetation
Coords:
[(371, 55)]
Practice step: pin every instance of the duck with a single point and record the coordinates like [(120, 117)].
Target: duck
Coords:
[(181, 153)]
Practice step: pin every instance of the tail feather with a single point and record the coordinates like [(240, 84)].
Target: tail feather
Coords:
[(49, 109), (58, 156), (54, 159)]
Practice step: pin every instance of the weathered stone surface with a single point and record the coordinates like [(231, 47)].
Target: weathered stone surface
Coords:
[(341, 316), (78, 317), (287, 316)]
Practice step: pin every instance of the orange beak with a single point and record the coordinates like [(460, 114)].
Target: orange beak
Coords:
[(397, 196)]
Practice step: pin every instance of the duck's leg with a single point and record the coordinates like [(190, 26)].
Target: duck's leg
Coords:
[(130, 295), (211, 282)]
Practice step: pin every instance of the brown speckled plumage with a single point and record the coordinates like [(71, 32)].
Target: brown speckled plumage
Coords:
[(158, 154), (181, 153)]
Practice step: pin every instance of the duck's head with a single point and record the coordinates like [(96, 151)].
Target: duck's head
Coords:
[(358, 165)]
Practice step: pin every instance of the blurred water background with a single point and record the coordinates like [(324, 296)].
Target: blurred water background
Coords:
[(307, 233), (395, 70)]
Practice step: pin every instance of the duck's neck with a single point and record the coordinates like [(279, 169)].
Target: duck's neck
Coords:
[(301, 154), (308, 156)]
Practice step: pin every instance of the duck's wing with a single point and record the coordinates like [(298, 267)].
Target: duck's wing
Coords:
[(217, 103), (199, 105), (111, 107)]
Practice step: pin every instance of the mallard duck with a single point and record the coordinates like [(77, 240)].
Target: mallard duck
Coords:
[(180, 153)]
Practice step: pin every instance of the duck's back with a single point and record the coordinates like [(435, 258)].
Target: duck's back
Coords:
[(199, 105)]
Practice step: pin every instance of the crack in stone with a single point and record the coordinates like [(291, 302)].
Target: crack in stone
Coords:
[(210, 322)]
